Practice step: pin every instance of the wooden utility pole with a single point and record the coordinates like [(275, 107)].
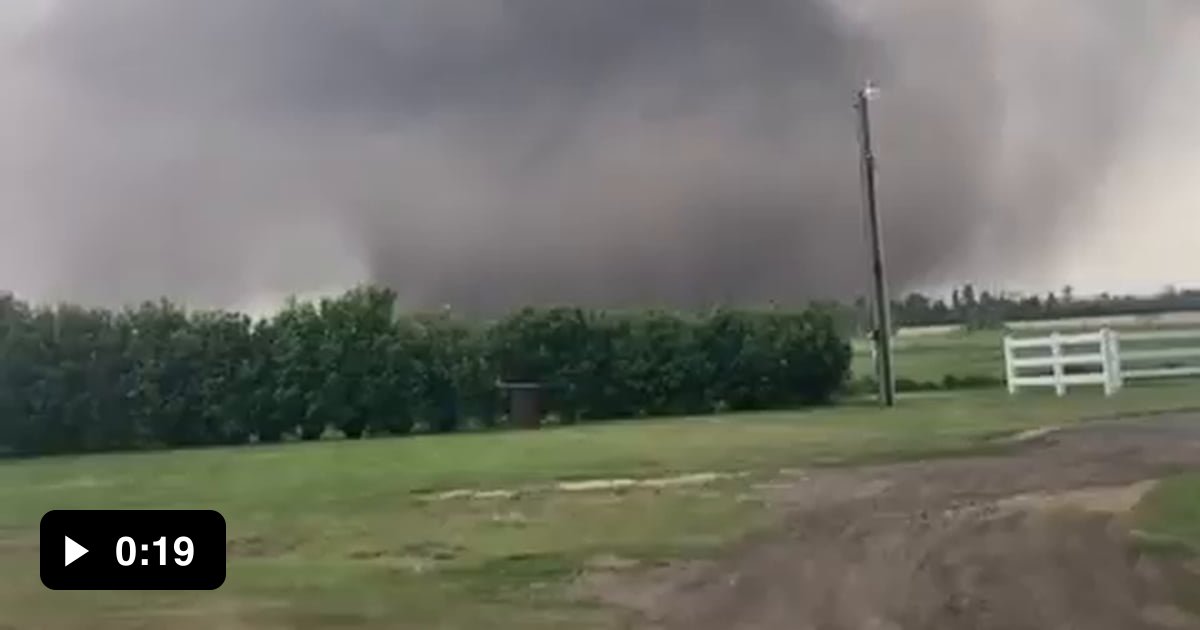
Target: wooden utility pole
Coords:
[(883, 317)]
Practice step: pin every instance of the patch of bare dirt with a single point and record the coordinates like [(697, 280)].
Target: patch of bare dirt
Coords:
[(1030, 540), (257, 547), (592, 485), (415, 558), (1109, 500)]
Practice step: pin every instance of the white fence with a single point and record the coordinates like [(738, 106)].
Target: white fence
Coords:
[(1107, 358)]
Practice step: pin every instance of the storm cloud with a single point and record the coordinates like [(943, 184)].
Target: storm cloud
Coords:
[(493, 153)]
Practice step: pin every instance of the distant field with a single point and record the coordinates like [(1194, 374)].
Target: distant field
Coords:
[(929, 354), (931, 357), (352, 534), (1156, 320)]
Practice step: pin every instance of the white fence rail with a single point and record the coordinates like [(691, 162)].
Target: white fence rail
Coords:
[(1107, 358)]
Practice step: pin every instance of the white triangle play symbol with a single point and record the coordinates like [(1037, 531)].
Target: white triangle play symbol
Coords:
[(73, 551)]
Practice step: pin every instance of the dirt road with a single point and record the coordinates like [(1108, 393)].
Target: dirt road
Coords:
[(1031, 540)]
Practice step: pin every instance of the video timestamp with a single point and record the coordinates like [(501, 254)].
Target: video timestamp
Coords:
[(127, 551), (133, 550)]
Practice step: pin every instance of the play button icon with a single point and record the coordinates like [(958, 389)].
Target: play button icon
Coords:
[(130, 550), (73, 551)]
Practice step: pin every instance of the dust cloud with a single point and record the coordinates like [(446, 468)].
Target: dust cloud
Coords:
[(492, 153)]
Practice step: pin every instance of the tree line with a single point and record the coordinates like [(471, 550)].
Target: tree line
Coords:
[(975, 308), (75, 379)]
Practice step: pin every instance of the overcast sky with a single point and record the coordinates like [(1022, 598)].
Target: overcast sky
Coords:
[(491, 153)]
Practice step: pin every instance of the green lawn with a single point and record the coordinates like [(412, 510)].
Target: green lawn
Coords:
[(1172, 512), (350, 535), (1168, 521)]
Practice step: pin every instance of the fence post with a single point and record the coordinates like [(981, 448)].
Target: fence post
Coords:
[(1010, 370), (1106, 360), (1113, 379), (1056, 351)]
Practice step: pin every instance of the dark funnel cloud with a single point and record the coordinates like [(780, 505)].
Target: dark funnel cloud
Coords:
[(494, 153)]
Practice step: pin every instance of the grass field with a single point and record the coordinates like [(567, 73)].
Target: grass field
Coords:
[(354, 534)]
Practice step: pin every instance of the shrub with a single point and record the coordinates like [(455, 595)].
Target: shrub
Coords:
[(912, 385), (658, 366), (971, 382), (455, 378), (757, 360)]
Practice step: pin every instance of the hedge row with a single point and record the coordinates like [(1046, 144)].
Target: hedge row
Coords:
[(75, 379)]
